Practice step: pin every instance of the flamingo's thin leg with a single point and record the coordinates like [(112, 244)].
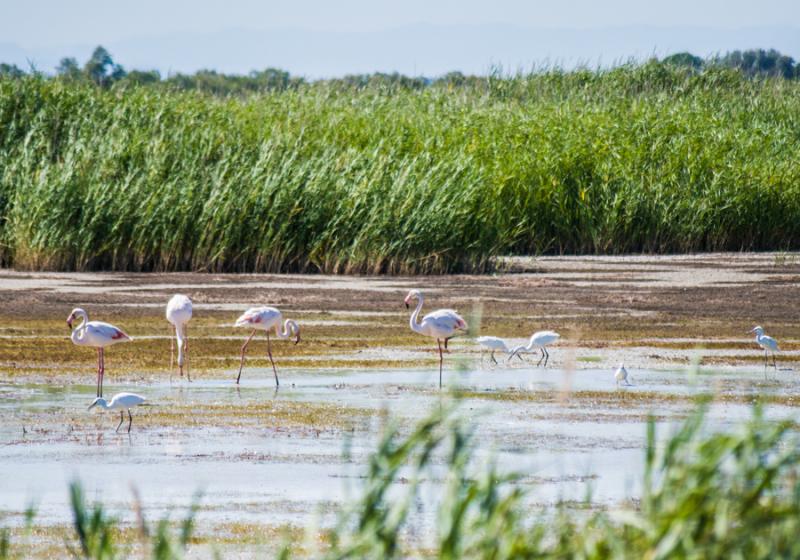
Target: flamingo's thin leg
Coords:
[(441, 360), (186, 351), (98, 372), (172, 336), (546, 356), (102, 369), (269, 352), (540, 359), (493, 358), (121, 419), (130, 420), (244, 347)]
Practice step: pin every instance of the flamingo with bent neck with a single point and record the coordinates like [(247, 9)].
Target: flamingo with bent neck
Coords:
[(97, 335), (179, 312), (264, 319), (442, 324)]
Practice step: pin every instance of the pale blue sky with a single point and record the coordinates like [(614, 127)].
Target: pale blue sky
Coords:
[(171, 35)]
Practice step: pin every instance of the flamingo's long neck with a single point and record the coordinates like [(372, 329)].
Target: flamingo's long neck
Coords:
[(413, 321), (180, 335), (79, 331), (289, 328), (531, 345)]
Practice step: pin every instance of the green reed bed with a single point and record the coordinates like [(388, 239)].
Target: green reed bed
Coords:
[(443, 179)]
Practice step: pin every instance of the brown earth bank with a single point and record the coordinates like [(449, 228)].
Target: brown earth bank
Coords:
[(649, 311)]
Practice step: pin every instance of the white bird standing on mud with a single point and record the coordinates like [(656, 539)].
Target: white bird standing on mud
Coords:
[(539, 340), (122, 401), (621, 376), (97, 335), (493, 344), (442, 324), (769, 344), (179, 312), (265, 318)]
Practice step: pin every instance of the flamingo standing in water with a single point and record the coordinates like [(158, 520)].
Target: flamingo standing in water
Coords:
[(494, 344), (179, 311), (769, 344), (538, 340), (441, 324), (122, 401), (621, 376), (98, 335), (264, 319)]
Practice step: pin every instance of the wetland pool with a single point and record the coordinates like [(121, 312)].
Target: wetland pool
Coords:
[(292, 456)]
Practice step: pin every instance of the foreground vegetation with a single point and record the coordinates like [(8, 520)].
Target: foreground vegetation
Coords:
[(654, 157), (705, 495)]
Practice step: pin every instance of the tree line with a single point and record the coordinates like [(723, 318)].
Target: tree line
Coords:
[(102, 70)]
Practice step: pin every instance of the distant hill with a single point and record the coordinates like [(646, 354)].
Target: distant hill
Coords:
[(413, 50)]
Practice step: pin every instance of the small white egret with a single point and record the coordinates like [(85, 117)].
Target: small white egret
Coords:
[(97, 335), (442, 324), (179, 311), (122, 401), (539, 340), (493, 344), (769, 344), (621, 376), (263, 319)]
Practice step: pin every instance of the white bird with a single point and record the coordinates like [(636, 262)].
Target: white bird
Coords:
[(539, 340), (621, 375), (97, 335), (265, 318), (179, 311), (768, 343), (442, 324), (494, 344), (122, 401)]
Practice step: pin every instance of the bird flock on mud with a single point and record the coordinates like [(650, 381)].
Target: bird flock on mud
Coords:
[(442, 324)]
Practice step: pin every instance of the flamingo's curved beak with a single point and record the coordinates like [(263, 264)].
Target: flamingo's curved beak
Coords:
[(406, 302), (69, 322), (297, 340)]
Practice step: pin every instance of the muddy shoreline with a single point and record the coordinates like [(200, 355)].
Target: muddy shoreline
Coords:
[(645, 310)]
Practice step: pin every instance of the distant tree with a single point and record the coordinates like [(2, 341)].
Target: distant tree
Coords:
[(686, 59), (68, 68), (453, 79), (101, 69), (142, 77), (10, 71), (759, 62)]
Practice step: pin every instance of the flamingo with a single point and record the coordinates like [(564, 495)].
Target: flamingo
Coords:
[(179, 311), (539, 339), (768, 343), (494, 344), (265, 318), (123, 401), (98, 335), (439, 324), (621, 376)]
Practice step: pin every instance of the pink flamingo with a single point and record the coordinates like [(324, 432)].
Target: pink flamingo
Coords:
[(439, 324), (179, 312), (264, 319), (96, 334)]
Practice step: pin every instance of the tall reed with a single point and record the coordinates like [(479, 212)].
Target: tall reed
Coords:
[(443, 179)]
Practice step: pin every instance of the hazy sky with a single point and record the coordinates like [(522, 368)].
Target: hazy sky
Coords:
[(37, 30), (38, 23)]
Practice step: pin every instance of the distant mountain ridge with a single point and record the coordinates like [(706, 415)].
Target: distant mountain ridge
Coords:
[(421, 49)]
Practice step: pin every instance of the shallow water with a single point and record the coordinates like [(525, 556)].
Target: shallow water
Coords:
[(260, 474)]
